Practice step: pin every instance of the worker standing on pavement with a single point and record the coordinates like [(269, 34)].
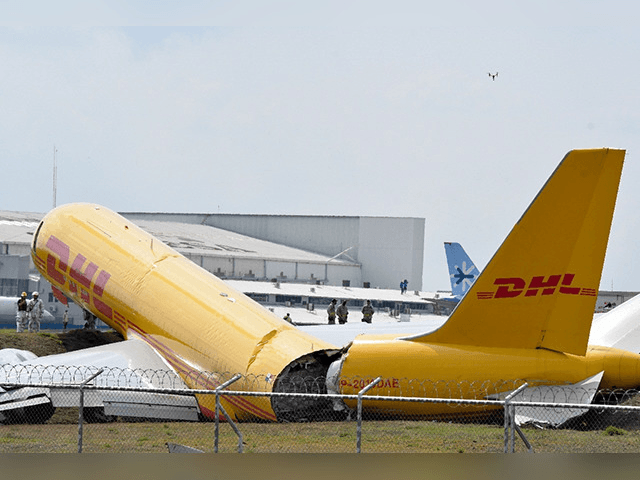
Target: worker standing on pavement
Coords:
[(367, 312), (36, 310)]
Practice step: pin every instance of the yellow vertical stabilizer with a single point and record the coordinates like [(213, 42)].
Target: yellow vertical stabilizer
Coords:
[(540, 288)]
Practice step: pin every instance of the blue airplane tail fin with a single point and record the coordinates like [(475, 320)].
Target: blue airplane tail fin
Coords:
[(462, 271)]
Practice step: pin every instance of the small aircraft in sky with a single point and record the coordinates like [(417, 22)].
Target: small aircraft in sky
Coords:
[(493, 76), (526, 318)]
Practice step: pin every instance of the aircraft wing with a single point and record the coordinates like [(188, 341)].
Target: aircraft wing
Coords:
[(14, 355), (341, 335), (579, 393), (131, 363), (618, 328)]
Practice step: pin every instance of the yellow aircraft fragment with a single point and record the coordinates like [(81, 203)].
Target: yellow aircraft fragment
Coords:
[(143, 288), (528, 315)]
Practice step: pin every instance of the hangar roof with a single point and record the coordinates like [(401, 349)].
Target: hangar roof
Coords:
[(18, 228), (211, 241)]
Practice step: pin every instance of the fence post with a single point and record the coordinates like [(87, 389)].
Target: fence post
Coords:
[(510, 417), (506, 426), (217, 415), (359, 428), (81, 409)]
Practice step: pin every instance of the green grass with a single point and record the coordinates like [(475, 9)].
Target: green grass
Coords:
[(329, 437), (611, 430), (42, 343)]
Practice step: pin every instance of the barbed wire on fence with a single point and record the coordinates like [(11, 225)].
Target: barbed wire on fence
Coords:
[(314, 396), (455, 395), (61, 375)]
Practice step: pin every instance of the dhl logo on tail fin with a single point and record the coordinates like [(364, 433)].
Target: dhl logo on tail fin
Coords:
[(539, 289), (543, 285)]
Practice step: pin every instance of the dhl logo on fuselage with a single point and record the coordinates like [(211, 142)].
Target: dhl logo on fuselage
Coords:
[(76, 277), (539, 285)]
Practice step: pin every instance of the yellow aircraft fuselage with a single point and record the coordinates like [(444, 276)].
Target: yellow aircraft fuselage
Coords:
[(410, 368), (139, 286)]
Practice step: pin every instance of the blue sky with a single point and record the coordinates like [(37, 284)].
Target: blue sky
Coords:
[(330, 110)]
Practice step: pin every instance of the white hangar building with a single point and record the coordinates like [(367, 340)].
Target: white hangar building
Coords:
[(375, 252)]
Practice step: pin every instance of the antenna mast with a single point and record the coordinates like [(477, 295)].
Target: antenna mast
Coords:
[(55, 177)]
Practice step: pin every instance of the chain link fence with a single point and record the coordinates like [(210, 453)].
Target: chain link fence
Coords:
[(83, 409)]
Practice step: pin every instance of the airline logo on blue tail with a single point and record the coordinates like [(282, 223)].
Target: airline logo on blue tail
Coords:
[(462, 271)]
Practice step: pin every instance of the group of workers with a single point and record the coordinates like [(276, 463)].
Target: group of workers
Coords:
[(29, 313), (342, 312)]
